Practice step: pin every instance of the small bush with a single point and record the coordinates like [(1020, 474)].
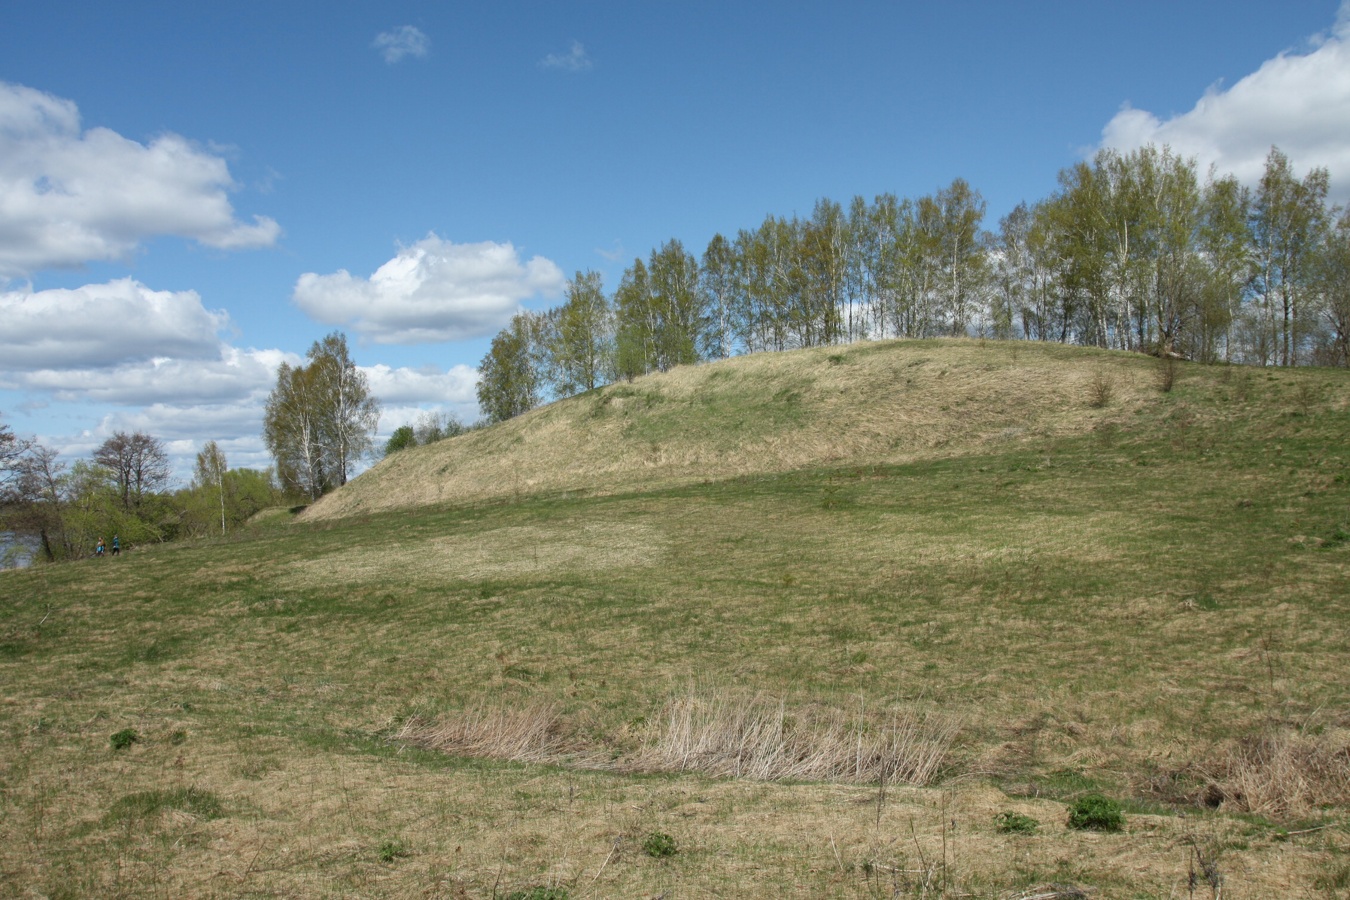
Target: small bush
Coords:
[(1101, 390), (1096, 813), (659, 845), (1015, 823), (123, 739)]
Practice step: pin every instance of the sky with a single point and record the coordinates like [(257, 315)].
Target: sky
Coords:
[(191, 194)]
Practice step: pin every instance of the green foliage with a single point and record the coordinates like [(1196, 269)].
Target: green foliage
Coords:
[(319, 419), (659, 845), (508, 382), (121, 740), (402, 438), (1015, 823), (1095, 812)]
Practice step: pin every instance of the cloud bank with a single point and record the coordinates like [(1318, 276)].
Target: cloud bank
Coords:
[(1298, 101), (431, 292), (68, 196)]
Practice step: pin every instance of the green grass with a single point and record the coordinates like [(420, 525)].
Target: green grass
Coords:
[(1104, 609)]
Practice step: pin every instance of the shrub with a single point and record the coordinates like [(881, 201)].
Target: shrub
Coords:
[(123, 739), (1015, 823), (1101, 390), (1094, 812), (658, 845)]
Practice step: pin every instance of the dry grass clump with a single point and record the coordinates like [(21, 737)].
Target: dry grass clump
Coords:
[(533, 733), (1285, 773), (716, 734), (759, 738)]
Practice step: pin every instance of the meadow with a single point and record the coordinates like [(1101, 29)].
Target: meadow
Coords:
[(855, 622)]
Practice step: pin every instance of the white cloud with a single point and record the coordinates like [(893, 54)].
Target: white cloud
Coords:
[(405, 385), (405, 40), (68, 197), (575, 60), (104, 324), (235, 375), (1298, 101), (430, 292)]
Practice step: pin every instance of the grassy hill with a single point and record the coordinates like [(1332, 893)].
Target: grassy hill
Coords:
[(885, 402), (831, 621)]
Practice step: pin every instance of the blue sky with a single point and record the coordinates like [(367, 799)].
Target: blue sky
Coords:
[(192, 193)]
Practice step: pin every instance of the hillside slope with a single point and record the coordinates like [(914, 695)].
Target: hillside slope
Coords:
[(871, 403)]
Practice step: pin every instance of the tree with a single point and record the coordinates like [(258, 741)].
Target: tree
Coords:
[(1288, 220), (292, 433), (402, 438), (582, 342), (718, 284), (436, 426), (137, 464), (1331, 279), (320, 419), (31, 492), (349, 415), (210, 474), (508, 377)]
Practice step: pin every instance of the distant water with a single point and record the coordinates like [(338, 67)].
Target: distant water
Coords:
[(17, 550)]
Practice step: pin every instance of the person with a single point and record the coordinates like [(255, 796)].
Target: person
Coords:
[(117, 545), (98, 551)]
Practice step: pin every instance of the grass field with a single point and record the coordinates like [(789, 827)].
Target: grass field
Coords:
[(824, 624)]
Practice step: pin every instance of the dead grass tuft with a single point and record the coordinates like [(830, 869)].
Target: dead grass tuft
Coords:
[(1285, 773), (717, 734), (532, 733), (759, 738)]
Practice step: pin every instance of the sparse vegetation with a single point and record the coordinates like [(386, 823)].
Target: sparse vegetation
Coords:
[(1015, 823)]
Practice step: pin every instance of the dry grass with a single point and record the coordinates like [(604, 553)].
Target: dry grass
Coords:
[(713, 733), (761, 738), (1284, 773)]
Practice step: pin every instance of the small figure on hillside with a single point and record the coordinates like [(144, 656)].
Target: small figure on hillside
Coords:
[(98, 551), (117, 545)]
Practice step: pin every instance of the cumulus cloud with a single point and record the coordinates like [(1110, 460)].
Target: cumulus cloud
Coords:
[(575, 60), (1298, 101), (101, 325), (69, 197), (405, 40), (404, 385), (431, 292)]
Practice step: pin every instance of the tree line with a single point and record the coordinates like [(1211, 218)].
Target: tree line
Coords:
[(1135, 251), (122, 490)]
